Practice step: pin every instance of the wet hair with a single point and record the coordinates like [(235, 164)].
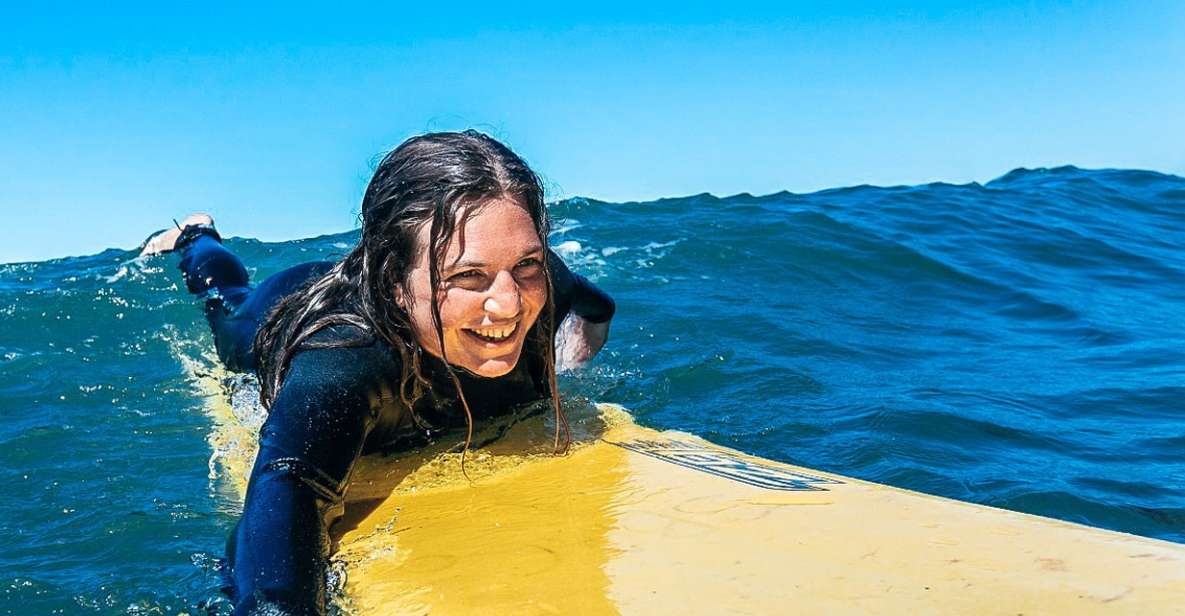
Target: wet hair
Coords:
[(435, 179)]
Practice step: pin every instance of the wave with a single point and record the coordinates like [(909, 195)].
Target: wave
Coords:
[(1016, 343)]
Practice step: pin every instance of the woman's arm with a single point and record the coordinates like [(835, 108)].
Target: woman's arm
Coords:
[(577, 341), (315, 431), (584, 312)]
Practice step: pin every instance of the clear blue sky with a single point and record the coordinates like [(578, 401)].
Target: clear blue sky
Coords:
[(114, 120)]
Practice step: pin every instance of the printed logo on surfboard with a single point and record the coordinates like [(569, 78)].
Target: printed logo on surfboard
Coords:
[(727, 464)]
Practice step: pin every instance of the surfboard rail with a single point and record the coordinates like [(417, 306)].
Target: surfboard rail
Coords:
[(637, 521)]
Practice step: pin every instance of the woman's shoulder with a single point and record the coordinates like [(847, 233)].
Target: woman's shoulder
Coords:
[(344, 353), (339, 334)]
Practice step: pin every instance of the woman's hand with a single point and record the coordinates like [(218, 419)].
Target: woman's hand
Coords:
[(577, 341)]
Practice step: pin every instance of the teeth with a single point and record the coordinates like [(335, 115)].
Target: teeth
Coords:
[(495, 333)]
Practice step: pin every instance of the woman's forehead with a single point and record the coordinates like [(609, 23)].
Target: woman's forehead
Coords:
[(488, 232), (497, 229)]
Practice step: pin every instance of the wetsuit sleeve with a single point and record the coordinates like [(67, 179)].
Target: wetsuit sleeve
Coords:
[(574, 293), (315, 431)]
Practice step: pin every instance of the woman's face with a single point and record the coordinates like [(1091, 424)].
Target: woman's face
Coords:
[(493, 289)]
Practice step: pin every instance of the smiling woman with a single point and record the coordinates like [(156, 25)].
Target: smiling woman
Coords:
[(494, 289), (444, 314)]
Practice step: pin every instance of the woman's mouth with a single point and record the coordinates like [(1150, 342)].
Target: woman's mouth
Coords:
[(493, 334)]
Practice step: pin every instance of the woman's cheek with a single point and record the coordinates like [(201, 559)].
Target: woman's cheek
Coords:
[(537, 292), (460, 308)]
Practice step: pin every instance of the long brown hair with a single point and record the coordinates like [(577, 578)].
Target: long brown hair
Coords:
[(429, 179)]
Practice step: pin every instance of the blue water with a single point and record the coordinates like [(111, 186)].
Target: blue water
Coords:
[(1018, 344)]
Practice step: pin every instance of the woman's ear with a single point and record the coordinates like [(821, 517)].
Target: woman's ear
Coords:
[(400, 297)]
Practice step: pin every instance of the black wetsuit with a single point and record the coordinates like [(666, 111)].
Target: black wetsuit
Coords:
[(333, 405)]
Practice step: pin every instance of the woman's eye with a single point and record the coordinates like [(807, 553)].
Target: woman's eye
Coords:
[(529, 262), (465, 275)]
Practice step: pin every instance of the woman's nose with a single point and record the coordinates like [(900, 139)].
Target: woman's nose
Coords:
[(503, 300)]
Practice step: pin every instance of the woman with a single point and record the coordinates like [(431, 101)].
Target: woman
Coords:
[(445, 313)]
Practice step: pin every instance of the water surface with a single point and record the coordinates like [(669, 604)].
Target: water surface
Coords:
[(1017, 344)]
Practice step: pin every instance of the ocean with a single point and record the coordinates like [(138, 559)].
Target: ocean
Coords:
[(1019, 344)]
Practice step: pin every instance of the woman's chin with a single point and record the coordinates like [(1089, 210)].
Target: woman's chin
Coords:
[(493, 368), (487, 359)]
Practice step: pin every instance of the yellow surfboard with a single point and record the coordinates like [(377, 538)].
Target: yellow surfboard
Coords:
[(635, 521), (643, 522)]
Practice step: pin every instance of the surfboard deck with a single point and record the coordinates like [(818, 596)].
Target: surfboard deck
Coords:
[(637, 521)]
